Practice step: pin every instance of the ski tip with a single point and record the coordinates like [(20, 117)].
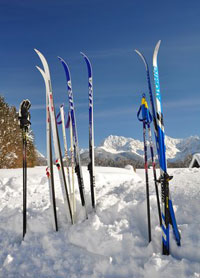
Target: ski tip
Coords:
[(37, 51), (85, 57), (62, 61), (155, 54), (37, 67), (66, 68), (143, 59), (82, 54), (158, 44), (137, 51), (41, 70), (59, 58)]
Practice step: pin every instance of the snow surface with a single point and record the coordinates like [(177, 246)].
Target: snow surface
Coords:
[(112, 243)]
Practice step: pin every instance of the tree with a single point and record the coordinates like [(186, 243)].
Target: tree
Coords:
[(11, 139)]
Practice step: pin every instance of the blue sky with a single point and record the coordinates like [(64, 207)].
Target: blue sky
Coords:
[(107, 32)]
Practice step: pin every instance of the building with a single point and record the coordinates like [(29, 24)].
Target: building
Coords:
[(195, 161)]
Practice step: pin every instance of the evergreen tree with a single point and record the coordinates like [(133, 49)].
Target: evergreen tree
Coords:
[(11, 139)]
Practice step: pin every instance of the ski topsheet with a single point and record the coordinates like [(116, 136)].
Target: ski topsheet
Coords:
[(58, 156), (78, 168), (168, 216), (91, 132)]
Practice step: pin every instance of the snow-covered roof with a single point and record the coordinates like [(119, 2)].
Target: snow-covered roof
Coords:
[(195, 161)]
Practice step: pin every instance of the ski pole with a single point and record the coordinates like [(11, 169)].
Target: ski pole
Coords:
[(24, 122), (143, 109)]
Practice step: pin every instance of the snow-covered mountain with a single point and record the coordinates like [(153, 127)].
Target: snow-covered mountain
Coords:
[(41, 159), (175, 148), (119, 149)]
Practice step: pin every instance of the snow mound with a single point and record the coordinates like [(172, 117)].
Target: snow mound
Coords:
[(113, 242)]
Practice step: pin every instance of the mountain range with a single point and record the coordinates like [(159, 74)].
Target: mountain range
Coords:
[(119, 151)]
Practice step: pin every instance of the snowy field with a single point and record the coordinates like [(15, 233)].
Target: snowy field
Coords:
[(113, 243)]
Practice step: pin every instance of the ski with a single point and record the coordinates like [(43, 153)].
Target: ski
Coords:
[(155, 132), (91, 132), (72, 166), (71, 186), (168, 215), (78, 168), (62, 116), (57, 149), (49, 169), (24, 121)]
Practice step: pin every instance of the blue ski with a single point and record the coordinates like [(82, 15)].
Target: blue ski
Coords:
[(78, 168), (168, 215), (91, 132)]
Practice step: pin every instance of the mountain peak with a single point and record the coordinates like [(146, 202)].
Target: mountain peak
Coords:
[(117, 144), (175, 148)]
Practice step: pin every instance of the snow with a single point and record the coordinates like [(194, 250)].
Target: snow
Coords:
[(176, 149), (39, 154), (111, 243)]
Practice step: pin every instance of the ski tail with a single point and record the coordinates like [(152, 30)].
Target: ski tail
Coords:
[(174, 224)]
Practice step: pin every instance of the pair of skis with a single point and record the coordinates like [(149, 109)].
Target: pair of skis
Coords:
[(78, 169), (53, 130), (146, 119), (168, 216)]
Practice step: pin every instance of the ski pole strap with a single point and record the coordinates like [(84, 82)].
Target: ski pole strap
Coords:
[(138, 114), (60, 122), (149, 117), (57, 121), (68, 121), (144, 110)]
